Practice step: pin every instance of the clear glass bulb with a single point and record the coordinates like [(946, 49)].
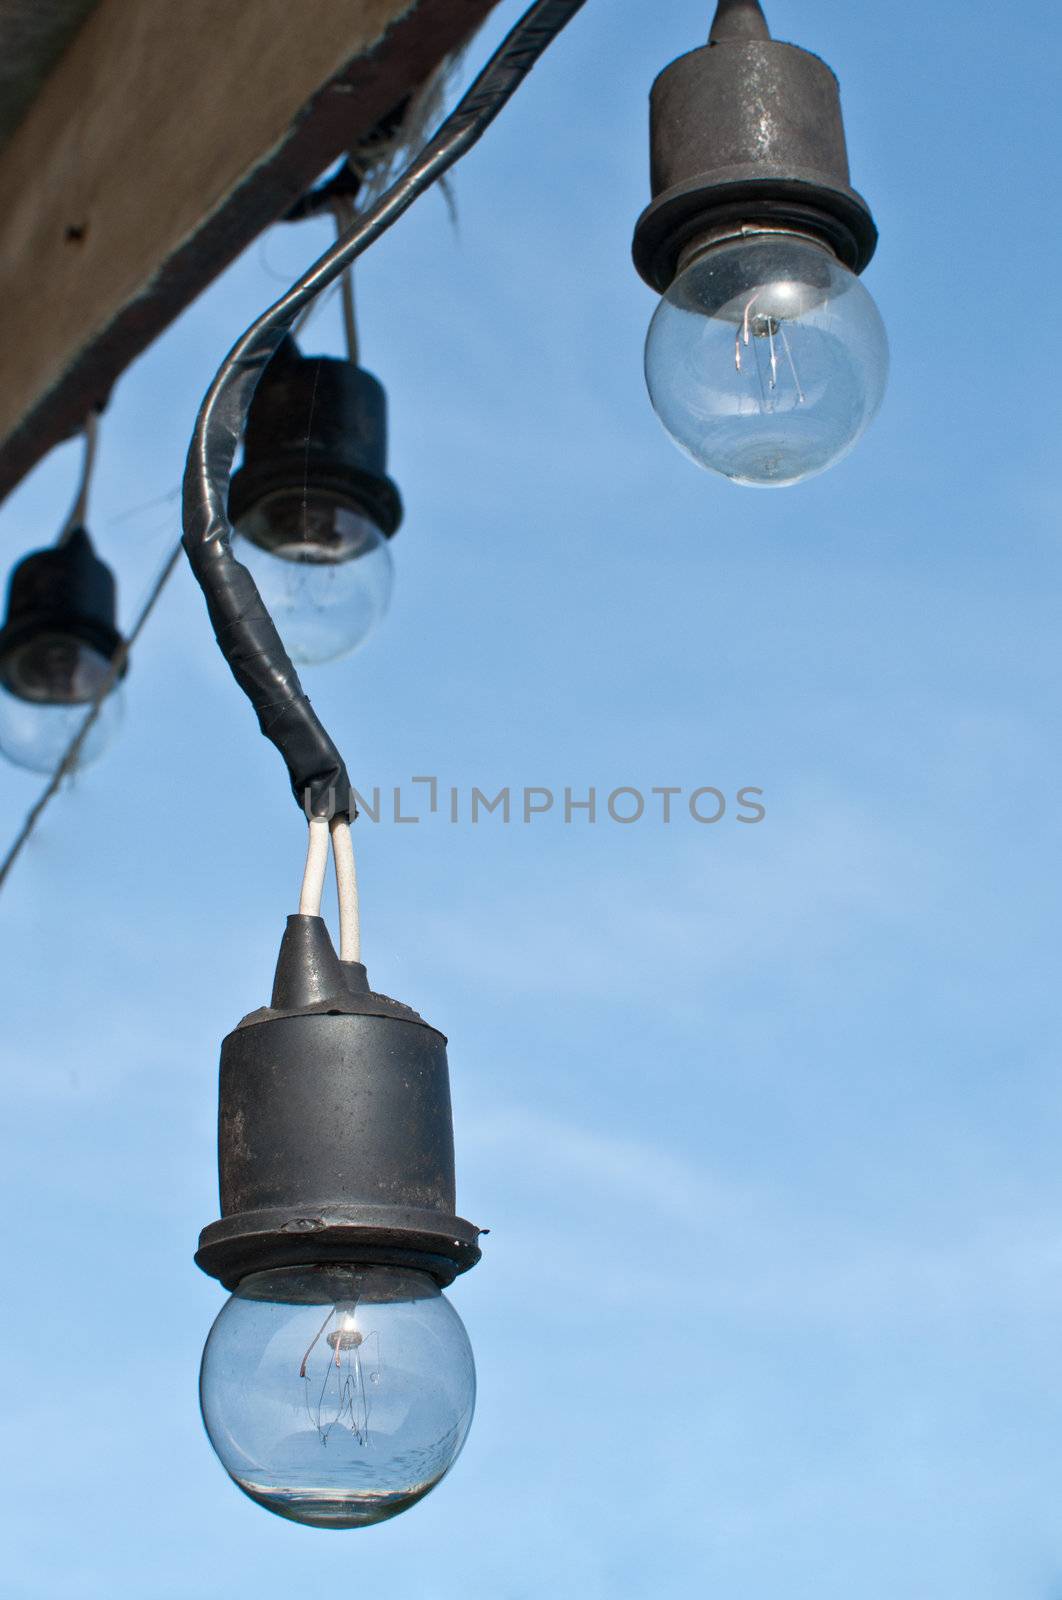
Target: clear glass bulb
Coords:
[(46, 687), (337, 1396), (322, 567), (766, 359)]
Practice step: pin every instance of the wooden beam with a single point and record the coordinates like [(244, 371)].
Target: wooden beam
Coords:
[(166, 139)]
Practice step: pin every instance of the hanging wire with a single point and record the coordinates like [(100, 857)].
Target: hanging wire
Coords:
[(79, 509), (137, 511), (369, 168), (69, 760), (244, 629), (344, 209), (345, 213)]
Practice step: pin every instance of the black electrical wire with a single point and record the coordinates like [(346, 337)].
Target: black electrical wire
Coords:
[(243, 627)]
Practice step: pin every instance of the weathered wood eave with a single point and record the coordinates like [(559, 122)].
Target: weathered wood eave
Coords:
[(163, 143)]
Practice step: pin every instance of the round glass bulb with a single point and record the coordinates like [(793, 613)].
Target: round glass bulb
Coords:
[(46, 686), (766, 359), (337, 1396), (322, 567)]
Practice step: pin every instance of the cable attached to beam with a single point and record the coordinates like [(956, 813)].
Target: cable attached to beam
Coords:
[(79, 510), (345, 213), (243, 627)]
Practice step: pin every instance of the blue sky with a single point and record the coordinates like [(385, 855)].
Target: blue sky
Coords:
[(764, 1120)]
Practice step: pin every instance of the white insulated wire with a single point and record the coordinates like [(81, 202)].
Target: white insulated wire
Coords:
[(347, 891), (316, 865), (338, 831)]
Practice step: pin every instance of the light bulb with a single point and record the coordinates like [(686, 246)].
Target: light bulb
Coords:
[(323, 569), (47, 683), (766, 359), (337, 1396)]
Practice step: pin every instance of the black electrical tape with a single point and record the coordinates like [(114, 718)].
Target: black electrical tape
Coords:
[(242, 625)]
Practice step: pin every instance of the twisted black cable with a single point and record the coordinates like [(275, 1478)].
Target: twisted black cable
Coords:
[(242, 625)]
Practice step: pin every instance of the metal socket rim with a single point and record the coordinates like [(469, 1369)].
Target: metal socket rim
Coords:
[(261, 1241), (802, 202)]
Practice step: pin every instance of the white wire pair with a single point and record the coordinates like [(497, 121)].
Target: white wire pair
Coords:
[(337, 831)]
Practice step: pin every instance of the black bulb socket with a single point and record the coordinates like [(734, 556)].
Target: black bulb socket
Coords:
[(62, 593), (335, 1134), (747, 136), (317, 423)]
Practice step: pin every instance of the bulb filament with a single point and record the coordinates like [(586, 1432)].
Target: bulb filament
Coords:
[(336, 1395), (772, 329)]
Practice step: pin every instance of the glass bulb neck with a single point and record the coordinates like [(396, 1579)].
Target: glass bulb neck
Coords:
[(746, 233)]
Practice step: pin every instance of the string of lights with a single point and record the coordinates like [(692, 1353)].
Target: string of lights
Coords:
[(765, 360)]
